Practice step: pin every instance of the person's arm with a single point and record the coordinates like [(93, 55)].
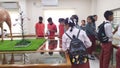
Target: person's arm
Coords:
[(44, 29), (59, 31), (36, 30), (87, 41), (116, 29), (55, 28), (64, 46)]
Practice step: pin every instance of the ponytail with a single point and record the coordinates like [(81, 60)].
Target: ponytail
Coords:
[(70, 22)]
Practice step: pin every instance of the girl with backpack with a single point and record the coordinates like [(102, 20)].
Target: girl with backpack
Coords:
[(71, 30)]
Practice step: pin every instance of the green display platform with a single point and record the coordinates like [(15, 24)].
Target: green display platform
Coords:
[(8, 45)]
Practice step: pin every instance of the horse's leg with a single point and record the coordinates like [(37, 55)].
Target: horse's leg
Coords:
[(9, 25), (11, 33), (2, 32)]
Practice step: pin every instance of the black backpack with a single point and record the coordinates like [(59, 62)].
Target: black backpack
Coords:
[(101, 33), (77, 50)]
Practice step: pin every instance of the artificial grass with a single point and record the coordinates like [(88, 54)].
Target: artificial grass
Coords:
[(8, 45)]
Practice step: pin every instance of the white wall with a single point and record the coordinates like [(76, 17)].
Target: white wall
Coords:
[(35, 9), (93, 7), (103, 5)]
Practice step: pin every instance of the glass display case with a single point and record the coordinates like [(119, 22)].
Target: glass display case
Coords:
[(49, 55)]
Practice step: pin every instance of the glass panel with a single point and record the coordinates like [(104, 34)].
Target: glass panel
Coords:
[(51, 45), (34, 58)]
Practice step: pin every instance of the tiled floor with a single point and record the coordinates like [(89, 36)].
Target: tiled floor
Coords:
[(94, 63)]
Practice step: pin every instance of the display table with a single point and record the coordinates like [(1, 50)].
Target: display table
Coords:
[(49, 55)]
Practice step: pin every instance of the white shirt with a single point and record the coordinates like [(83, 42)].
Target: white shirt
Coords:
[(119, 30), (82, 36), (108, 30)]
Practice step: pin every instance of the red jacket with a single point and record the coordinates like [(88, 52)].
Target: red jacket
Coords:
[(52, 29), (40, 29), (61, 30)]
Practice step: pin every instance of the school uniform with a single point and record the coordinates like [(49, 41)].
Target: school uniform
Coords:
[(106, 47), (66, 43), (40, 29), (61, 30), (91, 33), (118, 58), (83, 27), (52, 28), (94, 25)]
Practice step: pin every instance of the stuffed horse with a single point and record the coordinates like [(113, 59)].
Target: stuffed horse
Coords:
[(5, 17)]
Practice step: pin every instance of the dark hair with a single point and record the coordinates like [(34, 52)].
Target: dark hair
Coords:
[(49, 19), (70, 23), (91, 17), (61, 20), (107, 14), (76, 18), (94, 15), (83, 20), (40, 19)]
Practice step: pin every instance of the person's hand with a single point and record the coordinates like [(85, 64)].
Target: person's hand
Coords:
[(58, 36), (116, 29)]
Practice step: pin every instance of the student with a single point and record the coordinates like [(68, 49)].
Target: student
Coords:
[(61, 27), (39, 28), (118, 58), (107, 47), (91, 33), (72, 30), (52, 29), (83, 25)]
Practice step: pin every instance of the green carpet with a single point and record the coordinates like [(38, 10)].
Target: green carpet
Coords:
[(8, 45)]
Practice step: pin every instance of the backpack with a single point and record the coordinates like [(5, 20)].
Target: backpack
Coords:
[(102, 37), (77, 50)]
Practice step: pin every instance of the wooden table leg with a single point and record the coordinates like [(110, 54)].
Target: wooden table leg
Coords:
[(4, 61), (12, 59)]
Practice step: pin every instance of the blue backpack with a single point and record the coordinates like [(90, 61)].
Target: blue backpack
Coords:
[(77, 50)]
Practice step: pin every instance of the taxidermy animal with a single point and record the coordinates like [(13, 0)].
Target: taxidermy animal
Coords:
[(5, 17)]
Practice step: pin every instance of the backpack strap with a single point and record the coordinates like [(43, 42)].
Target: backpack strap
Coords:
[(68, 35), (78, 33)]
